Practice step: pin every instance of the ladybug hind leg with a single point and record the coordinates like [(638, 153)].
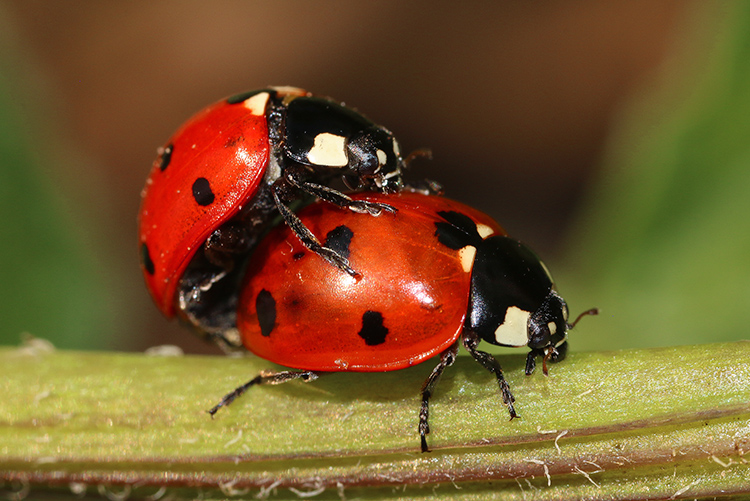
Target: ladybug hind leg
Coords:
[(264, 378), (489, 362), (446, 360)]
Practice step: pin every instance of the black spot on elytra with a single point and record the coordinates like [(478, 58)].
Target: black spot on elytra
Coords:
[(148, 263), (298, 255), (165, 157), (339, 239), (458, 230), (265, 307), (373, 331), (202, 192)]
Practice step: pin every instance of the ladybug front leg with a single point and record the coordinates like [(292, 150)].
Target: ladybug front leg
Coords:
[(471, 340), (337, 198), (446, 360), (264, 378), (309, 240)]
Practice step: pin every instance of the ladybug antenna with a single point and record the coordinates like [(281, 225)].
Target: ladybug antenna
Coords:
[(592, 311)]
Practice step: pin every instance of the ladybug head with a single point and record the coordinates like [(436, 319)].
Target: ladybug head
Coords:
[(375, 160), (513, 299), (548, 325)]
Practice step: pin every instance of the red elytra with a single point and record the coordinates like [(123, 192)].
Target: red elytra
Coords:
[(224, 144), (409, 305)]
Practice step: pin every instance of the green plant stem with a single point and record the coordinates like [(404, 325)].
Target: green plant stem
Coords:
[(641, 424)]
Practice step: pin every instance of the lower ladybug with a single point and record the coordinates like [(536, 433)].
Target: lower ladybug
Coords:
[(434, 274)]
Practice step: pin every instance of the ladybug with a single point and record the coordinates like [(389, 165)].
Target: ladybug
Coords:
[(224, 176), (434, 274)]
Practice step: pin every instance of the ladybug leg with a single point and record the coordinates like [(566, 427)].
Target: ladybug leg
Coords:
[(337, 198), (446, 360), (489, 362), (531, 360), (264, 378), (310, 241)]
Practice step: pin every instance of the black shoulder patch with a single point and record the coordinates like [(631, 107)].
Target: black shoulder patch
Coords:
[(148, 264), (458, 230), (373, 331), (202, 192), (338, 239), (265, 307)]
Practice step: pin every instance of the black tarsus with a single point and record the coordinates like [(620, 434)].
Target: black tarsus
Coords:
[(446, 360), (264, 378)]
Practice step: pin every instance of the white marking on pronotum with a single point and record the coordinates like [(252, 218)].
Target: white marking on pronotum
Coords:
[(484, 231), (514, 329), (329, 150), (466, 256), (396, 148), (382, 157), (256, 104), (552, 326)]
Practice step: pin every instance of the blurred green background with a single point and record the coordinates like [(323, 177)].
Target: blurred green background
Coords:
[(611, 137)]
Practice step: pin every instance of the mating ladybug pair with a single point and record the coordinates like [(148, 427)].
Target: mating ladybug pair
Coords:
[(378, 280)]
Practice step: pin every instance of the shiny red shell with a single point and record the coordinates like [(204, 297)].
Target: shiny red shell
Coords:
[(225, 144), (415, 289)]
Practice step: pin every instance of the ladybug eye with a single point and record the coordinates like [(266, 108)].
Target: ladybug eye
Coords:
[(363, 157), (539, 334)]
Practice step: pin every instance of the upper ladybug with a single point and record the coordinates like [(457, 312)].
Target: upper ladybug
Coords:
[(216, 184)]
